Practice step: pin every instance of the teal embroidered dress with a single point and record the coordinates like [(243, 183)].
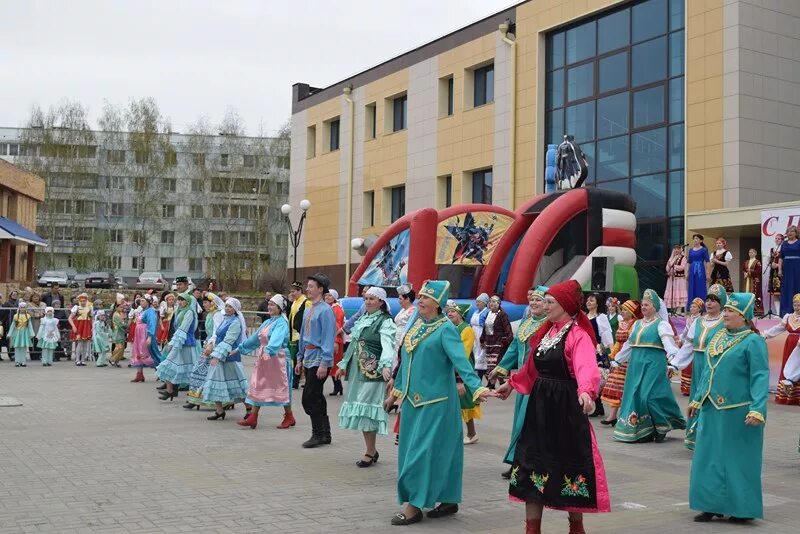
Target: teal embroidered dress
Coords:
[(431, 449), (371, 351), (726, 467), (514, 358), (648, 403)]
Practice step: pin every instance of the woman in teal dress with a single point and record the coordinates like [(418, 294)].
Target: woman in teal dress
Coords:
[(515, 357), (182, 351), (648, 408), (431, 453), (731, 407), (367, 365), (101, 339), (21, 334), (693, 351), (215, 311)]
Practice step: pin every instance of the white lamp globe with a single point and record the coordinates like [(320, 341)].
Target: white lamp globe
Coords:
[(356, 243), (305, 204), (286, 209)]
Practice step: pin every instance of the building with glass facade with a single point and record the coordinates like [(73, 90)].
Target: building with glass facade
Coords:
[(691, 107)]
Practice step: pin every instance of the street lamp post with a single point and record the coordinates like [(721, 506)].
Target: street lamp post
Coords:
[(295, 233)]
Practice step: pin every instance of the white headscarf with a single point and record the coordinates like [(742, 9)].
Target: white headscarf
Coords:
[(379, 293), (280, 301), (334, 294), (237, 306)]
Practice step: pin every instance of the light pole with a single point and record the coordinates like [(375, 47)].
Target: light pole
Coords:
[(294, 234)]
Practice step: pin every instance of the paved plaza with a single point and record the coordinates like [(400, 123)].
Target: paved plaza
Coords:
[(90, 452)]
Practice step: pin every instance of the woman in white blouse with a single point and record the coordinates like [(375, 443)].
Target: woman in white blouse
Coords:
[(596, 312)]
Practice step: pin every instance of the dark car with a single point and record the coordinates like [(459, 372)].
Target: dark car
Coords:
[(78, 281), (102, 280)]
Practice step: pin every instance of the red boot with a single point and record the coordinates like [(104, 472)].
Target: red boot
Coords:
[(533, 526), (251, 420), (576, 526), (288, 421), (139, 376)]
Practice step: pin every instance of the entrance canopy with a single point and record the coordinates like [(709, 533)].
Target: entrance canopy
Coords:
[(11, 230)]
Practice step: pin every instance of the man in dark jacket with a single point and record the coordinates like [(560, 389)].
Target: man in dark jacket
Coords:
[(262, 308)]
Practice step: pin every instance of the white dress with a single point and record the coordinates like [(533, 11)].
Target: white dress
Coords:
[(477, 351)]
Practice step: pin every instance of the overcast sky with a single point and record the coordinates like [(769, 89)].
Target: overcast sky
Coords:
[(198, 58)]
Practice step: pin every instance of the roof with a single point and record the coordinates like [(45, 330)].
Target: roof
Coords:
[(21, 181), (304, 96), (11, 230)]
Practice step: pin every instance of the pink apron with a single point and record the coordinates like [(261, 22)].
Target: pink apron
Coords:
[(270, 380)]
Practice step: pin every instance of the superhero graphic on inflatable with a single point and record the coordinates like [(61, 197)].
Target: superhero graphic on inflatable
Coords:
[(473, 240)]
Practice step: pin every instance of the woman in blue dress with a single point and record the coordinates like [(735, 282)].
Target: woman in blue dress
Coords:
[(697, 276), (789, 270)]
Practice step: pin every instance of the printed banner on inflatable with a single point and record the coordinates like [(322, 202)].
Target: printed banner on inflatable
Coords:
[(774, 221), (389, 268), (469, 238)]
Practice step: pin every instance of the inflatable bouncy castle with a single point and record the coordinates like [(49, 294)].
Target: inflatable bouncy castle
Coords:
[(482, 248)]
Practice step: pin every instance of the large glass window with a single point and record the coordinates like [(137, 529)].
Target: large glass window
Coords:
[(482, 187), (616, 83)]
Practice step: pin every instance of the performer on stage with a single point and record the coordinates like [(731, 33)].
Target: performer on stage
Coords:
[(789, 269), (515, 358), (692, 354), (697, 278), (751, 271), (615, 383), (720, 273), (676, 292), (774, 284), (648, 410), (556, 462), (790, 323), (732, 406)]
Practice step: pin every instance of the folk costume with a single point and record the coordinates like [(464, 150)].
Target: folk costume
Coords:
[(615, 383), (470, 410), (721, 274), (101, 339), (166, 311), (514, 359), (726, 468), (338, 344), (790, 283), (183, 350), (696, 277), (144, 353), (48, 336), (676, 291), (431, 450), (648, 409), (226, 382), (80, 319), (751, 271), (477, 322), (296, 313), (787, 393), (197, 378), (557, 463), (774, 282), (497, 335), (371, 350), (21, 334), (119, 335), (693, 354), (686, 374)]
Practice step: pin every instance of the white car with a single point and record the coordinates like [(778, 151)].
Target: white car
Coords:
[(175, 286), (151, 280), (48, 278)]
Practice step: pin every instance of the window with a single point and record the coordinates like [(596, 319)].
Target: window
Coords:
[(649, 62), (482, 187), (167, 264), (137, 237), (613, 31), (13, 149), (140, 183), (136, 264), (217, 237), (282, 188), (281, 240), (371, 118), (169, 184), (399, 113), (369, 209), (648, 106), (168, 237), (170, 158), (168, 211), (484, 85), (115, 236), (84, 234), (195, 238), (612, 115), (142, 157), (223, 160), (196, 264), (249, 161), (113, 263), (84, 207), (649, 19), (117, 182), (333, 134), (198, 185), (198, 159), (115, 157), (613, 72), (445, 191), (117, 209), (197, 212), (311, 141), (580, 82), (446, 96), (398, 202)]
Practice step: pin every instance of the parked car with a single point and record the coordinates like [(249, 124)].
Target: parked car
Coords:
[(49, 278), (175, 286), (151, 280), (120, 282), (101, 280), (78, 281)]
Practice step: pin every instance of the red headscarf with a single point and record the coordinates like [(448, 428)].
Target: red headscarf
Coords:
[(568, 294)]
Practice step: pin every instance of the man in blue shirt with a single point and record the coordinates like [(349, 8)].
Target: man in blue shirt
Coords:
[(315, 354)]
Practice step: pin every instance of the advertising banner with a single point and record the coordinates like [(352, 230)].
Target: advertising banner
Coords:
[(774, 221), (469, 238)]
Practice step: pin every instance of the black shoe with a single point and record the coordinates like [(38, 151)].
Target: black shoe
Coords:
[(660, 438), (372, 460), (400, 519), (190, 406), (506, 474), (443, 510), (217, 415), (739, 519), (326, 431), (314, 441), (162, 387), (598, 410), (613, 422), (705, 517), (168, 395)]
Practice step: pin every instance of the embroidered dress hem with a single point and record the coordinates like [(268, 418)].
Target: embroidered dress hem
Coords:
[(363, 417), (615, 385), (225, 383)]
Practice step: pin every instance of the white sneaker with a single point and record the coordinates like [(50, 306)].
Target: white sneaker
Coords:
[(470, 440)]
